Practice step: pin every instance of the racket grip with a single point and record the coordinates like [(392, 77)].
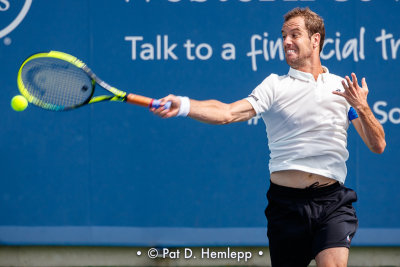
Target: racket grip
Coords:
[(157, 103), (146, 101)]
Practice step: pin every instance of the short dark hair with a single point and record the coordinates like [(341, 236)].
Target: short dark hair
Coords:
[(314, 23)]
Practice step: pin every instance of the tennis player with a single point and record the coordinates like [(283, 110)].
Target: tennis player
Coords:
[(307, 113)]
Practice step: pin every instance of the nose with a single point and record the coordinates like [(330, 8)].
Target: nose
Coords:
[(287, 41)]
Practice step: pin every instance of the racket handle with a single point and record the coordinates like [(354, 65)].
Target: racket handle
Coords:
[(146, 101)]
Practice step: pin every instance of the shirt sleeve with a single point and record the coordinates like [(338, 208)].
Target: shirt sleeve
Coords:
[(352, 114), (262, 96)]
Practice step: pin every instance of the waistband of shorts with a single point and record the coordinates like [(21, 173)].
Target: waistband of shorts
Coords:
[(303, 192)]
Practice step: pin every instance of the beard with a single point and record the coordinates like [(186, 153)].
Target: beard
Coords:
[(298, 61)]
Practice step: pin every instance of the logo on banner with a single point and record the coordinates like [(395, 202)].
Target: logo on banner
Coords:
[(6, 7)]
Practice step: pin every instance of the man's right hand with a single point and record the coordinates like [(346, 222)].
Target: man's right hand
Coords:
[(172, 111)]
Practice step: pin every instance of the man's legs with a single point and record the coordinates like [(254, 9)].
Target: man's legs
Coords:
[(325, 216), (337, 225), (290, 243)]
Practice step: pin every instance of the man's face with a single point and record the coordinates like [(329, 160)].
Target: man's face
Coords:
[(296, 42)]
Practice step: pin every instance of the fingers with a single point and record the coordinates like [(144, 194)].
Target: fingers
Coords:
[(364, 83), (167, 113), (348, 86), (162, 112), (355, 82), (351, 86), (338, 93), (353, 93), (167, 99), (345, 84)]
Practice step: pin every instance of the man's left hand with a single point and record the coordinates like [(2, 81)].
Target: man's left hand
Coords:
[(353, 93)]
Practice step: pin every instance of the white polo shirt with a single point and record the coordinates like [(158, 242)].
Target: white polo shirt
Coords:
[(306, 124)]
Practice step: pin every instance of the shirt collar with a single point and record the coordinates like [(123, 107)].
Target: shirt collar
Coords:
[(305, 76)]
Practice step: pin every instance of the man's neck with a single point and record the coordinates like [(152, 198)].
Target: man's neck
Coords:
[(314, 67)]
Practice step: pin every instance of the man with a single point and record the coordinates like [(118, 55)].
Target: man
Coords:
[(307, 113)]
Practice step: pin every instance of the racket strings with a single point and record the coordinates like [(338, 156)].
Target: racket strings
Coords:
[(56, 84)]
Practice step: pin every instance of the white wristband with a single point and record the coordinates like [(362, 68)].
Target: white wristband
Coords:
[(184, 107)]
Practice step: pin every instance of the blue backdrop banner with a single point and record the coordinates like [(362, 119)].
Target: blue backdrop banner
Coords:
[(114, 174)]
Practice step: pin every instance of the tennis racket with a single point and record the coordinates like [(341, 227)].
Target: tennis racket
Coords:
[(58, 81)]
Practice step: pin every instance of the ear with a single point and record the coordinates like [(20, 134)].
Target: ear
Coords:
[(316, 39)]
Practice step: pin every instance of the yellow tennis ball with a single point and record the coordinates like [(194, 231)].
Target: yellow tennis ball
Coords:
[(19, 103)]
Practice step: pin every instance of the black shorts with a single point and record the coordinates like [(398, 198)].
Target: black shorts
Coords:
[(303, 222)]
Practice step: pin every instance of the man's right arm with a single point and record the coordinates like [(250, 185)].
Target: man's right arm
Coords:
[(209, 111)]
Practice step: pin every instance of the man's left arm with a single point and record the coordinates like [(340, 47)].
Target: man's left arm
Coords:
[(367, 126)]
